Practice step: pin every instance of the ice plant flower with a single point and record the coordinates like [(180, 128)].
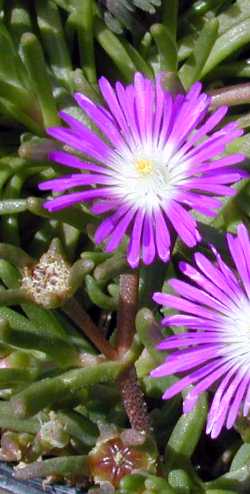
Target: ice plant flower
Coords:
[(155, 162), (215, 308)]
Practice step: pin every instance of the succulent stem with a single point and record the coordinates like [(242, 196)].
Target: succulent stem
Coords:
[(238, 94)]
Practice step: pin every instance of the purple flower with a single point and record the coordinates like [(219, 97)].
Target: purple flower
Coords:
[(215, 308), (154, 163)]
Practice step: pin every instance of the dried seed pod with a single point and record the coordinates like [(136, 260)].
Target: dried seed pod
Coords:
[(47, 282)]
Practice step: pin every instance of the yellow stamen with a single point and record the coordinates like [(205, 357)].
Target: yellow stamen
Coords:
[(144, 166)]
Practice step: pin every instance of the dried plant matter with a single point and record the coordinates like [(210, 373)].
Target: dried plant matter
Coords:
[(152, 172)]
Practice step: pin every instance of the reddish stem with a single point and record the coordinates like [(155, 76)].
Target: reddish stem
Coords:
[(133, 400), (132, 395), (238, 94), (127, 308), (78, 315)]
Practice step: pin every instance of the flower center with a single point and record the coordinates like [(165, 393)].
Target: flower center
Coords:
[(119, 458), (236, 332), (144, 166), (148, 175)]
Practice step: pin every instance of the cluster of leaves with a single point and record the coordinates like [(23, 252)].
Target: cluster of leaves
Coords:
[(128, 14), (55, 389)]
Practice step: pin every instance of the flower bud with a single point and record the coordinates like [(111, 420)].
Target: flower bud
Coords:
[(121, 454)]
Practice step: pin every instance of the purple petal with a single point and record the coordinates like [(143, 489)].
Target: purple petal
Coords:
[(186, 339), (102, 119), (162, 236), (236, 403), (135, 240), (183, 223), (126, 99), (87, 142), (70, 199), (199, 202), (166, 121), (159, 105), (203, 385), (140, 103), (101, 207), (74, 162), (245, 247), (230, 278), (237, 253), (119, 231), (196, 295), (215, 407), (112, 102), (107, 226), (218, 290), (76, 180), (148, 241), (212, 273), (190, 379), (183, 305), (209, 125), (221, 163), (192, 322)]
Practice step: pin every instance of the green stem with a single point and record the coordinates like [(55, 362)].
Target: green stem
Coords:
[(170, 17), (82, 19), (79, 427), (140, 64), (13, 111), (12, 377), (114, 48), (20, 20), (149, 333), (36, 66), (49, 391), (110, 268), (49, 23), (7, 421), (16, 95), (15, 255), (97, 296), (186, 435), (66, 466), (13, 296), (166, 47), (73, 216), (192, 68), (78, 272), (37, 149), (13, 206), (60, 349)]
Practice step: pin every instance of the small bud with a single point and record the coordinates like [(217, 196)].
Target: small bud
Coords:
[(113, 458), (36, 149), (47, 282)]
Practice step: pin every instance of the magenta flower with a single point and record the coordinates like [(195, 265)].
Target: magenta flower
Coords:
[(215, 308), (154, 163)]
